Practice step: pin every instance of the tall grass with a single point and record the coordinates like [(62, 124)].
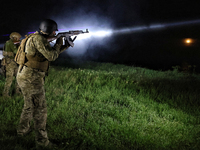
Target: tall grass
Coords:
[(106, 106)]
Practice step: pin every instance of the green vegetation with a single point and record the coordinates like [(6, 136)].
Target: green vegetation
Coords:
[(102, 106)]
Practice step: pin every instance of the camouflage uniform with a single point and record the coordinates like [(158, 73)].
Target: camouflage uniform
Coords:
[(10, 65), (31, 82)]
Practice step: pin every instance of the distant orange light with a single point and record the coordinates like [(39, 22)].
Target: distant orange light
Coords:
[(188, 41)]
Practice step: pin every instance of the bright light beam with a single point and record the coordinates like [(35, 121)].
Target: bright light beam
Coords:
[(182, 23), (109, 32), (102, 33)]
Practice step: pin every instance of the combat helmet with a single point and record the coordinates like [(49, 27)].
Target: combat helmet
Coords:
[(15, 36), (48, 26)]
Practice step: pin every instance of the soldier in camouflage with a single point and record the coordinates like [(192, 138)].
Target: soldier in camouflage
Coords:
[(30, 78), (9, 66)]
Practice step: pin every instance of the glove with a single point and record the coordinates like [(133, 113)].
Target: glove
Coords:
[(59, 41)]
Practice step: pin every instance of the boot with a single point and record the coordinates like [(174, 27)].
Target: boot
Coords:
[(50, 146), (24, 134), (18, 91), (5, 93)]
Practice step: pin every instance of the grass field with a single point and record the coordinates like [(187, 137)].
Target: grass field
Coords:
[(102, 106)]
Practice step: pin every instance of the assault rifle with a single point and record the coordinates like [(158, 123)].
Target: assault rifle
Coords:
[(67, 36)]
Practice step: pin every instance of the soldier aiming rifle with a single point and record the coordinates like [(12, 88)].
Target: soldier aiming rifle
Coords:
[(33, 56)]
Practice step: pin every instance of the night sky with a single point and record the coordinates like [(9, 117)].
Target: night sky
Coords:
[(161, 47)]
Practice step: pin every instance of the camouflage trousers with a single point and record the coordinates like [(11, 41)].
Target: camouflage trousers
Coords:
[(11, 71), (31, 83)]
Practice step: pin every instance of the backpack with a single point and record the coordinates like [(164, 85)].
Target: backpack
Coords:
[(20, 57), (35, 62)]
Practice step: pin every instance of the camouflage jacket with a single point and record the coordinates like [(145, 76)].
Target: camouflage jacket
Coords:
[(9, 52), (10, 49), (37, 45)]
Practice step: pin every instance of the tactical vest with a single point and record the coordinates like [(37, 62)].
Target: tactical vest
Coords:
[(35, 62)]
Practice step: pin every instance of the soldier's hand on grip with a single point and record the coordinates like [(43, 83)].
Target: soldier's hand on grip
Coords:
[(59, 41), (69, 42)]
